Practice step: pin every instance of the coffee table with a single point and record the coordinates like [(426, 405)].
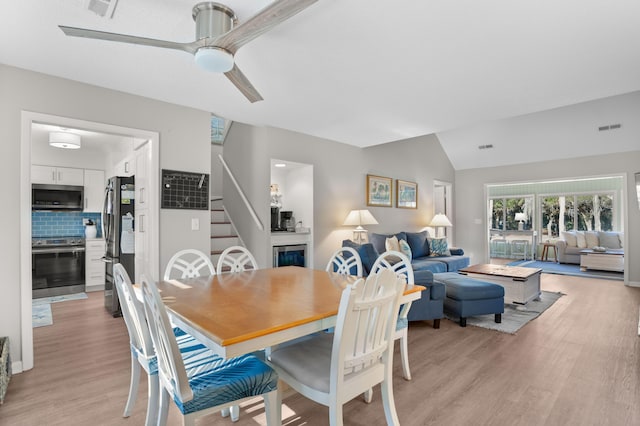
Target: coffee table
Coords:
[(521, 285), (610, 260)]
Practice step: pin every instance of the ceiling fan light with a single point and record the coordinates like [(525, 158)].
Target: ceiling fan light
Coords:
[(64, 140), (214, 59)]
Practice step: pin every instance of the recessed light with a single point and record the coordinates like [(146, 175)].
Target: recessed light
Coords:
[(280, 165)]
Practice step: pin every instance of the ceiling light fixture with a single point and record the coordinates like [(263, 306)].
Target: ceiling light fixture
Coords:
[(280, 165), (214, 59), (64, 140)]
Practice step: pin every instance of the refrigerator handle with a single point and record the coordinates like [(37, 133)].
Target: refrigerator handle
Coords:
[(104, 225)]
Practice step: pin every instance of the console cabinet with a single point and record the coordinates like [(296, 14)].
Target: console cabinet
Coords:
[(94, 266)]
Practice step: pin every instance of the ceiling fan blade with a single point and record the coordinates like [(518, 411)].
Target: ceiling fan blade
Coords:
[(263, 21), (243, 84), (123, 38)]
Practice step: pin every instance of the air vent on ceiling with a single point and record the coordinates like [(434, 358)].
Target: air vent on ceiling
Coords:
[(487, 146), (609, 127), (104, 8)]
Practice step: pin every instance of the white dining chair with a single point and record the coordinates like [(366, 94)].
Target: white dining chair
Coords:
[(143, 355), (201, 383), (332, 369), (399, 263), (236, 259), (343, 264), (189, 263)]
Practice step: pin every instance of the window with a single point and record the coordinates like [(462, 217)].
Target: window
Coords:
[(580, 212), (503, 212)]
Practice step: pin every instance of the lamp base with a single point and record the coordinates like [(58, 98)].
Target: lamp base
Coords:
[(360, 236)]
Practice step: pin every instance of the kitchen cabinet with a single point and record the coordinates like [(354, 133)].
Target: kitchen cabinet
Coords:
[(94, 187), (142, 176), (125, 167), (57, 175), (94, 266)]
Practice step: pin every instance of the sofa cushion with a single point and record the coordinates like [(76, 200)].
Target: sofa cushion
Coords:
[(581, 239), (609, 240), (405, 249), (592, 239), (454, 263), (438, 247), (378, 240), (570, 238), (428, 264), (418, 243), (367, 253)]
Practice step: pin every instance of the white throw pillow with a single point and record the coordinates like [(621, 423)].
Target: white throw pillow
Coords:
[(592, 238), (609, 240), (391, 243), (570, 238), (582, 239)]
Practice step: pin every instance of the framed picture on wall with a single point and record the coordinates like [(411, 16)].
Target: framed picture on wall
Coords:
[(379, 191), (406, 194)]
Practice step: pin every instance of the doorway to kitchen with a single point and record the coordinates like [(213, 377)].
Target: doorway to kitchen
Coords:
[(148, 240)]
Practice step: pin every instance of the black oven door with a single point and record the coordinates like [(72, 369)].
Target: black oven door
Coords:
[(57, 270)]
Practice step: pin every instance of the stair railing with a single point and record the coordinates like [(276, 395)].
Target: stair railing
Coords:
[(241, 192)]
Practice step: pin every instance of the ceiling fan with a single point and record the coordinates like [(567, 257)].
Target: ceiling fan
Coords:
[(217, 37)]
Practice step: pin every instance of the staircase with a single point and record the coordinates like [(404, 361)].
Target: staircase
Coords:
[(223, 234)]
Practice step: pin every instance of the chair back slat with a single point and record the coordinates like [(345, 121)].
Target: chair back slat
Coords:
[(236, 259), (344, 260), (189, 263), (132, 312), (171, 368)]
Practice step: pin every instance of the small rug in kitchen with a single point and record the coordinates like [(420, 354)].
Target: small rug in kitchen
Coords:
[(41, 308)]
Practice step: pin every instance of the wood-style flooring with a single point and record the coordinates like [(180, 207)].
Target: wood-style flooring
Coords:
[(576, 364)]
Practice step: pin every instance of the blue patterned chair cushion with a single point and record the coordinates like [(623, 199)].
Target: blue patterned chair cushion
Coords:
[(215, 380), (186, 342), (402, 323)]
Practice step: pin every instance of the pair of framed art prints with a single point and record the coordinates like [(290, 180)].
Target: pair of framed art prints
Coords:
[(380, 192)]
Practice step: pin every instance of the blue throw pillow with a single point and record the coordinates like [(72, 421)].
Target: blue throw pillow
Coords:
[(418, 243), (439, 247), (367, 253)]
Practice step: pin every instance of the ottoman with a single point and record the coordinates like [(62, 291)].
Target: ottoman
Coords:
[(468, 297)]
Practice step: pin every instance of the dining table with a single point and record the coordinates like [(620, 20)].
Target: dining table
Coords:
[(242, 312)]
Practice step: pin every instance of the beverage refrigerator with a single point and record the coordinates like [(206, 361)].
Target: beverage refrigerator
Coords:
[(118, 231)]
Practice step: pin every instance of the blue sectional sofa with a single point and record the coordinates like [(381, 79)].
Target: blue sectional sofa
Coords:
[(430, 305), (421, 257)]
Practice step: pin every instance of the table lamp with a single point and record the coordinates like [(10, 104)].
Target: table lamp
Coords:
[(358, 218), (440, 221), (521, 217)]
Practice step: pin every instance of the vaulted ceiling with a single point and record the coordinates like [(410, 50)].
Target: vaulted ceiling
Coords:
[(365, 72)]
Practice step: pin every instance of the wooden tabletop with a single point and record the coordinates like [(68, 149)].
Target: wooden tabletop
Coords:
[(236, 307), (501, 270)]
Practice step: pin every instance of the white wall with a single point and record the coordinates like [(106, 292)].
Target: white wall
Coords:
[(470, 198), (184, 145), (339, 183)]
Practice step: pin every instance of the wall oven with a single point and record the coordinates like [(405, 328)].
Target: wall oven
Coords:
[(57, 266)]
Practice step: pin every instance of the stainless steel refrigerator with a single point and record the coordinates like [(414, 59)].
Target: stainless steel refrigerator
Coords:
[(118, 231)]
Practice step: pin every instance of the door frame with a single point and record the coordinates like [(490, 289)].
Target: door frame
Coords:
[(27, 119)]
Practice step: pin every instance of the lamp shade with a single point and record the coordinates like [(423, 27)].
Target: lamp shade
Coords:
[(214, 59), (440, 220), (360, 217), (64, 140), (521, 216)]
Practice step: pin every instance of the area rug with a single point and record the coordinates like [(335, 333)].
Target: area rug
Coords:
[(41, 308), (515, 316), (41, 315), (568, 269)]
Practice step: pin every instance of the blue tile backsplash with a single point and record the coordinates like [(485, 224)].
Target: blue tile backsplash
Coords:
[(61, 224)]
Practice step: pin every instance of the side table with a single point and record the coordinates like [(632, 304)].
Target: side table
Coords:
[(545, 252)]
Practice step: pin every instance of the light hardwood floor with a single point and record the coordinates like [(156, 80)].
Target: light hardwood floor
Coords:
[(576, 364)]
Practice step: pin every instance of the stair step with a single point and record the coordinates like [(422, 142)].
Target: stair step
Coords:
[(217, 210), (220, 223), (224, 236), (216, 252)]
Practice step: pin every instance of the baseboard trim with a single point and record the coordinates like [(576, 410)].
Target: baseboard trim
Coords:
[(633, 283), (16, 367)]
